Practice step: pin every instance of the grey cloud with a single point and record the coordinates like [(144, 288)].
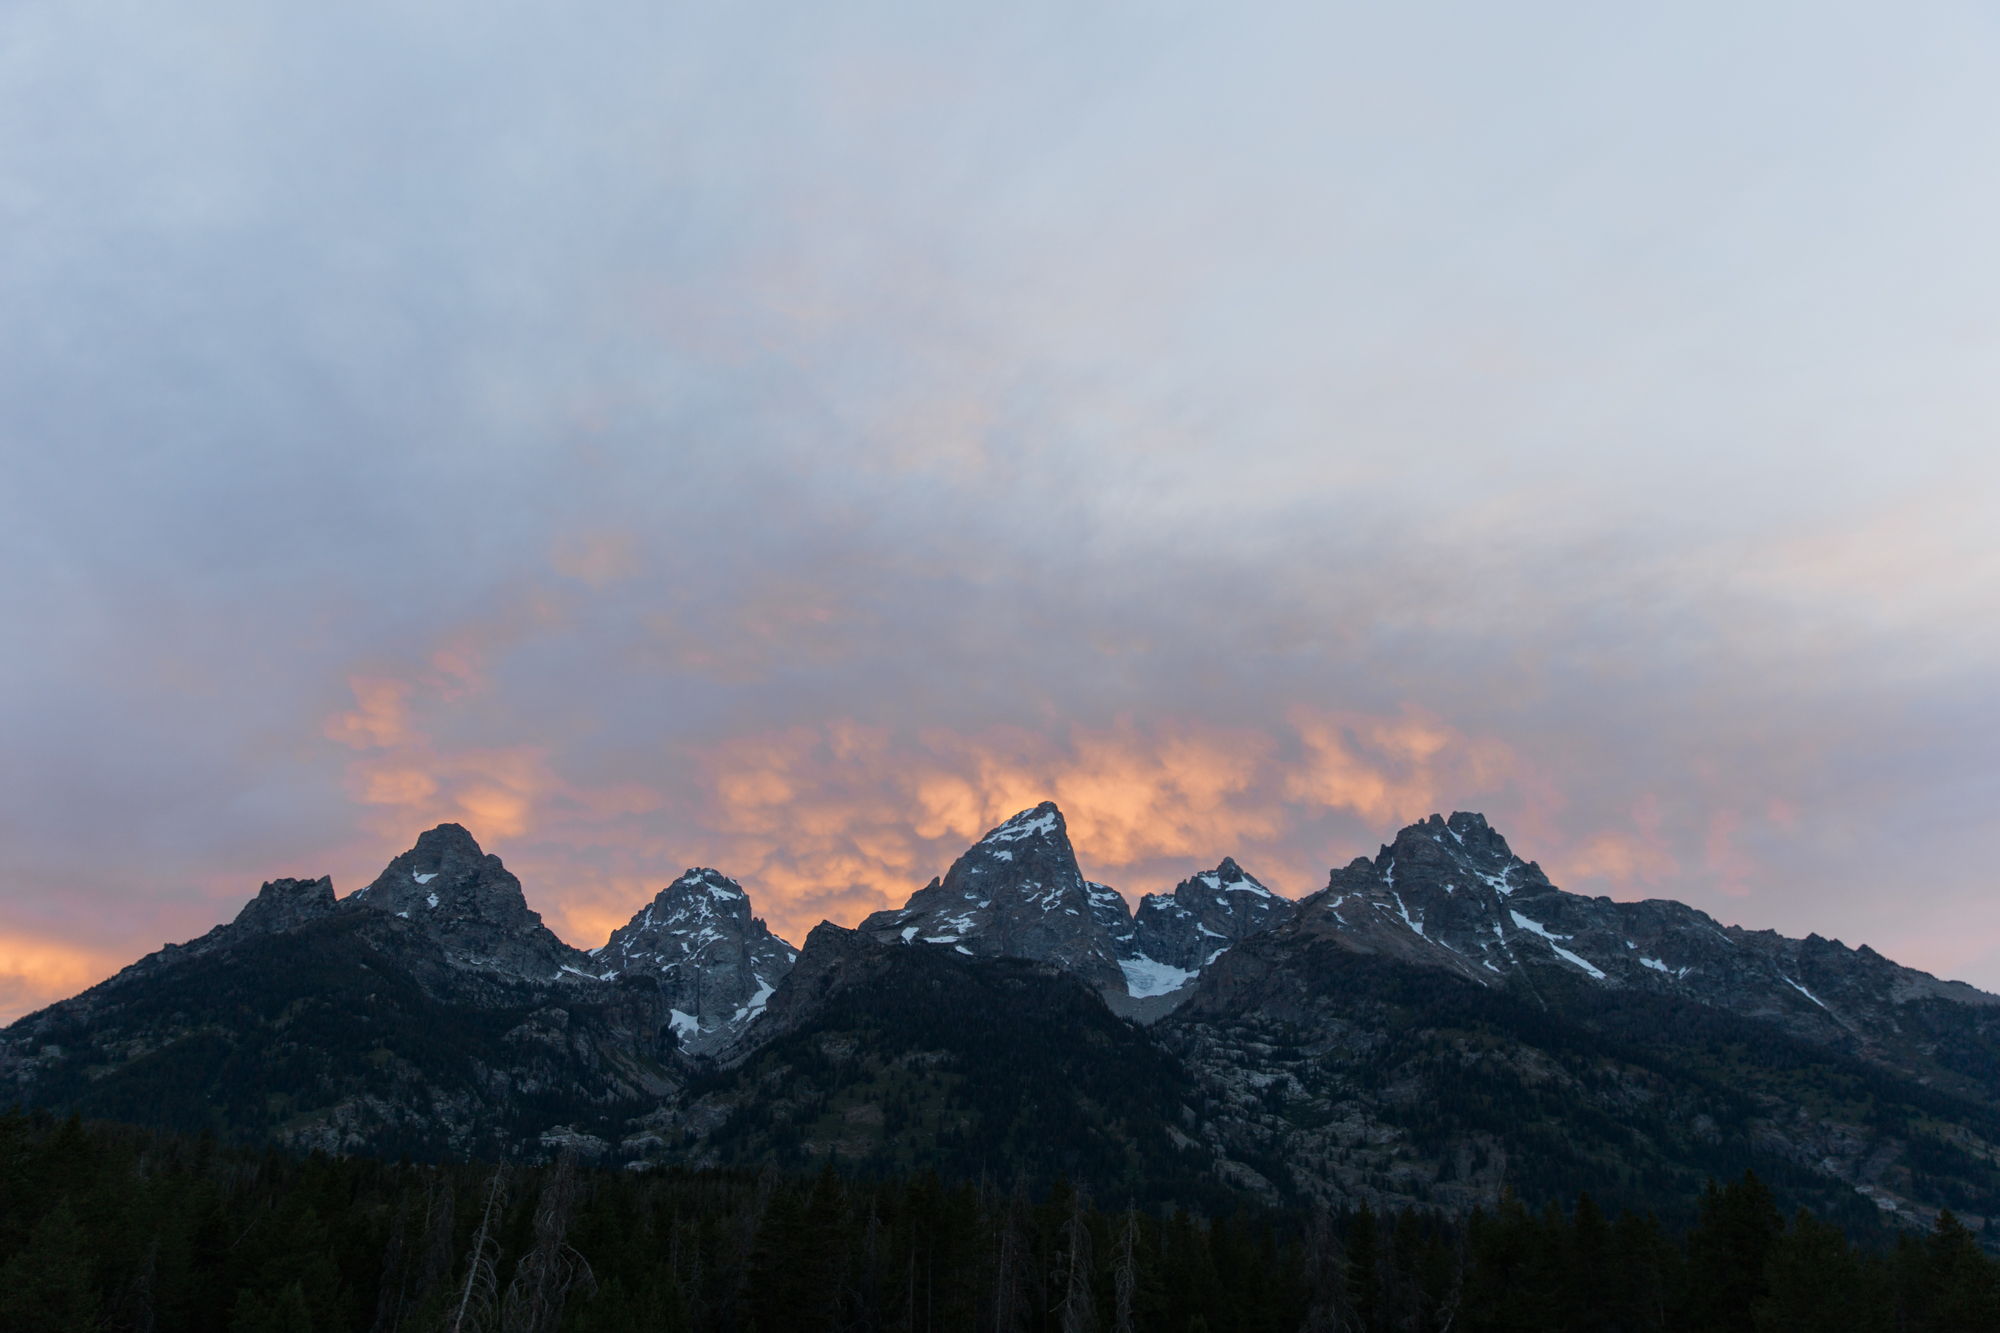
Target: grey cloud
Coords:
[(950, 370)]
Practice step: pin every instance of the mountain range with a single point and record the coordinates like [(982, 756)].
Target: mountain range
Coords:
[(1438, 1024)]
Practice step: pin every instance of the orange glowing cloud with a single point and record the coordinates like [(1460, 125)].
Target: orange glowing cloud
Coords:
[(837, 819), (840, 820), (1731, 866), (35, 972), (508, 793), (1389, 771), (1624, 857)]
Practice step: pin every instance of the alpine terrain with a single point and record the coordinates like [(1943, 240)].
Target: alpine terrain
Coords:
[(1437, 1026)]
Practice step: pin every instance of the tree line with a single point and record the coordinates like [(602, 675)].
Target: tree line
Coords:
[(108, 1227)]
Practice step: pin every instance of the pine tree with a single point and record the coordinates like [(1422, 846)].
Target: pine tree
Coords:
[(1727, 1253), (1818, 1284), (46, 1288), (1364, 1281), (1944, 1283)]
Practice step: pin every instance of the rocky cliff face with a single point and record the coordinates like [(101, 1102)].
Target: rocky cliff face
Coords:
[(715, 961), (1017, 893), (473, 907), (1175, 935)]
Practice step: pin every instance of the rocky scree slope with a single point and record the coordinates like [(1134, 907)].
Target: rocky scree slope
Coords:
[(715, 961)]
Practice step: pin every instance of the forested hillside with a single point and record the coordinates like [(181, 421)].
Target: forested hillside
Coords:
[(108, 1227)]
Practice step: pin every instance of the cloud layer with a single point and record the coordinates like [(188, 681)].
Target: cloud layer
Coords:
[(792, 440)]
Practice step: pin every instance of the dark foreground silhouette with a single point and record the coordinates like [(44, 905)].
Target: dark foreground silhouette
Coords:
[(107, 1227)]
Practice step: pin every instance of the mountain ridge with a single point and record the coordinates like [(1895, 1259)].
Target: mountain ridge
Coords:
[(1438, 1023)]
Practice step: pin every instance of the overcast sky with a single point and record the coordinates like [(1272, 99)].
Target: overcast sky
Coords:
[(791, 438)]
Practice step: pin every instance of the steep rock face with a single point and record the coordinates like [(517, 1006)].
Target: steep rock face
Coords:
[(1016, 893), (834, 960), (1205, 914), (287, 904), (473, 907), (1113, 916), (715, 961)]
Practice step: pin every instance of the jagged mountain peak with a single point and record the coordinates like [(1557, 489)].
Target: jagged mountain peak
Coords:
[(1043, 821), (286, 904), (716, 961), (1017, 892), (1230, 878), (1176, 934), (699, 890), (473, 905), (1465, 838), (447, 872), (281, 905)]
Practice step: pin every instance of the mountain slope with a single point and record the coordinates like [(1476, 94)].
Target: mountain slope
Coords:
[(882, 1057), (1438, 1024), (1175, 935), (1344, 1074), (353, 1033), (1442, 1018), (430, 1012)]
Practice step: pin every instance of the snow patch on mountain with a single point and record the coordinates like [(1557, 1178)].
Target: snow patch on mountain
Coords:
[(1144, 977)]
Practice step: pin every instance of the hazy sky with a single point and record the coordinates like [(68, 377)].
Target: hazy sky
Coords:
[(791, 438)]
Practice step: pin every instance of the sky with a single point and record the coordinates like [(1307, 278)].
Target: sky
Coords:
[(792, 438)]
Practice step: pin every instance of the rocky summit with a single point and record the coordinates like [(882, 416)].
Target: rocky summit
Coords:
[(473, 907), (715, 961), (1016, 893), (1175, 935)]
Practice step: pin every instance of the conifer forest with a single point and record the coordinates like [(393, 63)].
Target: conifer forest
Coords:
[(103, 1226)]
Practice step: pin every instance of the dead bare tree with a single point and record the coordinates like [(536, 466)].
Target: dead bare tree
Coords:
[(549, 1272), (1078, 1312), (1009, 1307), (411, 1274), (1125, 1270), (477, 1302), (440, 1220), (395, 1272)]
